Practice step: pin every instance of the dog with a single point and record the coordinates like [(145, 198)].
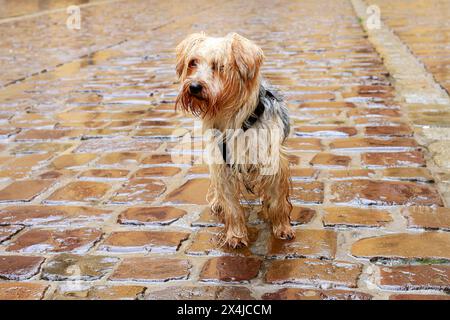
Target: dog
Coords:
[(222, 85)]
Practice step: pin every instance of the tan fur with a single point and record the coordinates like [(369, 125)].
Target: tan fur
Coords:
[(228, 69)]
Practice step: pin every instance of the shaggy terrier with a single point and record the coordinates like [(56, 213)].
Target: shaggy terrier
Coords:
[(246, 124)]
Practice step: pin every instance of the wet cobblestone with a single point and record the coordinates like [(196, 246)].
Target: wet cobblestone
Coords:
[(427, 36), (93, 206)]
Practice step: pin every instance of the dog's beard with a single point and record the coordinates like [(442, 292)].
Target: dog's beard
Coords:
[(199, 106)]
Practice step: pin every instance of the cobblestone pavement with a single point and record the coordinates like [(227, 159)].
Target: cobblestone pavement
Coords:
[(93, 206), (425, 28)]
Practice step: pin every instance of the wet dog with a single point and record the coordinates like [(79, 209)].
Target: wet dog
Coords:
[(246, 124)]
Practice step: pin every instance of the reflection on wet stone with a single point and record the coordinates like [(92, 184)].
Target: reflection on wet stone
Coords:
[(139, 190), (49, 240), (76, 267), (150, 215)]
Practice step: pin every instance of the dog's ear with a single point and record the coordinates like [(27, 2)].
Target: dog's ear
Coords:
[(183, 49), (248, 57)]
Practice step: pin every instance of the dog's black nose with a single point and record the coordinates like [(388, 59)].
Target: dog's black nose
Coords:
[(195, 88)]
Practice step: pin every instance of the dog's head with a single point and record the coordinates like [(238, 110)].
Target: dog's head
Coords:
[(216, 73)]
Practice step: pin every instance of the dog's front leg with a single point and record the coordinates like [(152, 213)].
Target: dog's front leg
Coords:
[(276, 202), (228, 191), (214, 197)]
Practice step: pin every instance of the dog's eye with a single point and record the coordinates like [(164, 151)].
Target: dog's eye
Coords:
[(215, 67), (192, 63)]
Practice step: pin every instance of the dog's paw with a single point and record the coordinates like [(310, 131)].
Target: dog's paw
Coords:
[(236, 243), (284, 232)]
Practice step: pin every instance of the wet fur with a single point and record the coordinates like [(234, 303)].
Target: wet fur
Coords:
[(229, 70)]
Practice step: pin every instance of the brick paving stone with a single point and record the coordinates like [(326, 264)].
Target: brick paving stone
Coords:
[(327, 104), (80, 191), (156, 123), (76, 116), (6, 232), (40, 147), (19, 267), (55, 240), (314, 96), (393, 144), (303, 173), (433, 118), (4, 160), (29, 161), (314, 272), (166, 133), (7, 132), (52, 215), (442, 176), (77, 267), (191, 192), (390, 131), (415, 277), (143, 241), (410, 174), (105, 174), (351, 174), (207, 219), (139, 190), (330, 160), (320, 116), (428, 218), (39, 134), (419, 297), (208, 242), (119, 145), (355, 217), (304, 144), (302, 215), (367, 192), (54, 174), (116, 292), (313, 294), (230, 269), (157, 172), (307, 243), (150, 215), (19, 173), (370, 92), (397, 159), (119, 158), (72, 160), (374, 112), (180, 149), (324, 131), (22, 290), (24, 190), (440, 151), (434, 245), (307, 192), (151, 269), (31, 120), (201, 293)]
